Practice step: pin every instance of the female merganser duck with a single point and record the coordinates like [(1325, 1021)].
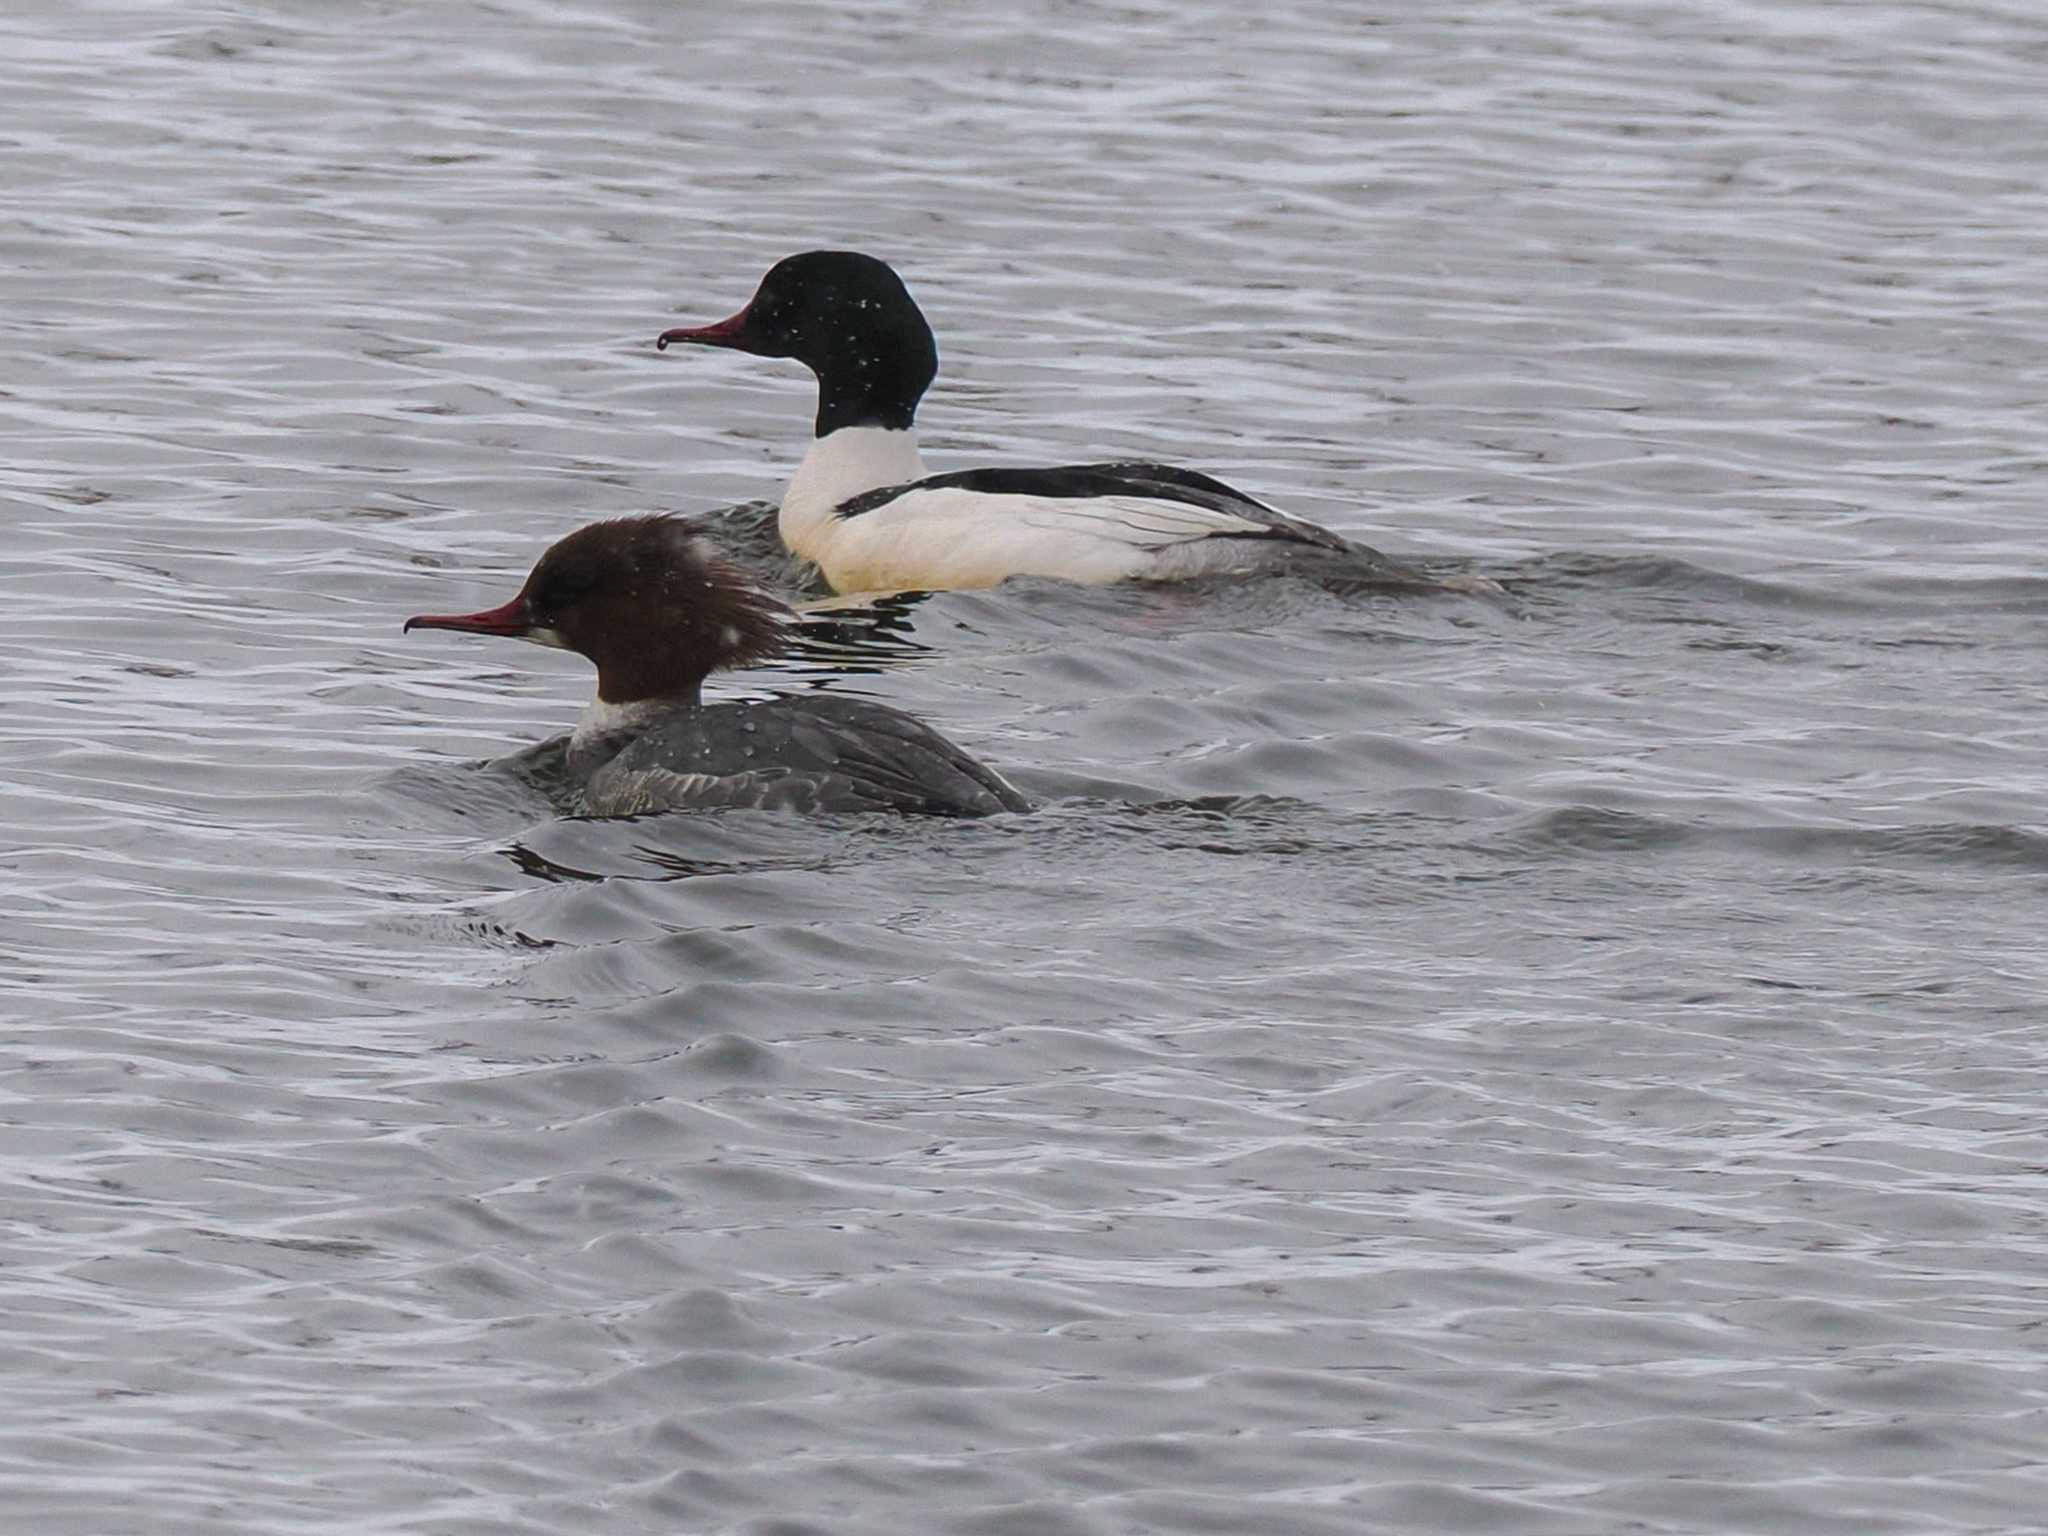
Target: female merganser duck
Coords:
[(873, 518), (648, 602)]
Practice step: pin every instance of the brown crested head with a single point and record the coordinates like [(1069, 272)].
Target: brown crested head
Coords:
[(644, 598)]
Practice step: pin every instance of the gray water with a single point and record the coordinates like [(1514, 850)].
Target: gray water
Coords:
[(1567, 1065)]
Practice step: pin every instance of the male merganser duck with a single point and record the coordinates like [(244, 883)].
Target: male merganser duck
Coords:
[(864, 507), (648, 602)]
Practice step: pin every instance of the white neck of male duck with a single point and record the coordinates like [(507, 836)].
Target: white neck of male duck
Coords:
[(849, 319), (840, 465)]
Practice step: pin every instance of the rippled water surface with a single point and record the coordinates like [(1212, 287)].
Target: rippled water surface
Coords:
[(1573, 1064)]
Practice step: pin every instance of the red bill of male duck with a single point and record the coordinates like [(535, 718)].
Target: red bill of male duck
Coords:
[(863, 506), (646, 601)]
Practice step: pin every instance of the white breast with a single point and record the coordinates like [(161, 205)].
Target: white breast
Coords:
[(605, 727), (838, 467)]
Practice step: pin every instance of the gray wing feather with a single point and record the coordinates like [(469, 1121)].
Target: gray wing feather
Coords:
[(812, 754)]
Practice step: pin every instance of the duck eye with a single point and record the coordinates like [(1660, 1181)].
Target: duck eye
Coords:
[(564, 589)]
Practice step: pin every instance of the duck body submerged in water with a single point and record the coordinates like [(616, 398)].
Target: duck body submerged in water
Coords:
[(863, 506), (648, 603)]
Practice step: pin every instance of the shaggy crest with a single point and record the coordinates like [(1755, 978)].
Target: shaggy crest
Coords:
[(644, 598)]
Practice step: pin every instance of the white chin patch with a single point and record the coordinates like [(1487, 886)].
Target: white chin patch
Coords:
[(547, 637)]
